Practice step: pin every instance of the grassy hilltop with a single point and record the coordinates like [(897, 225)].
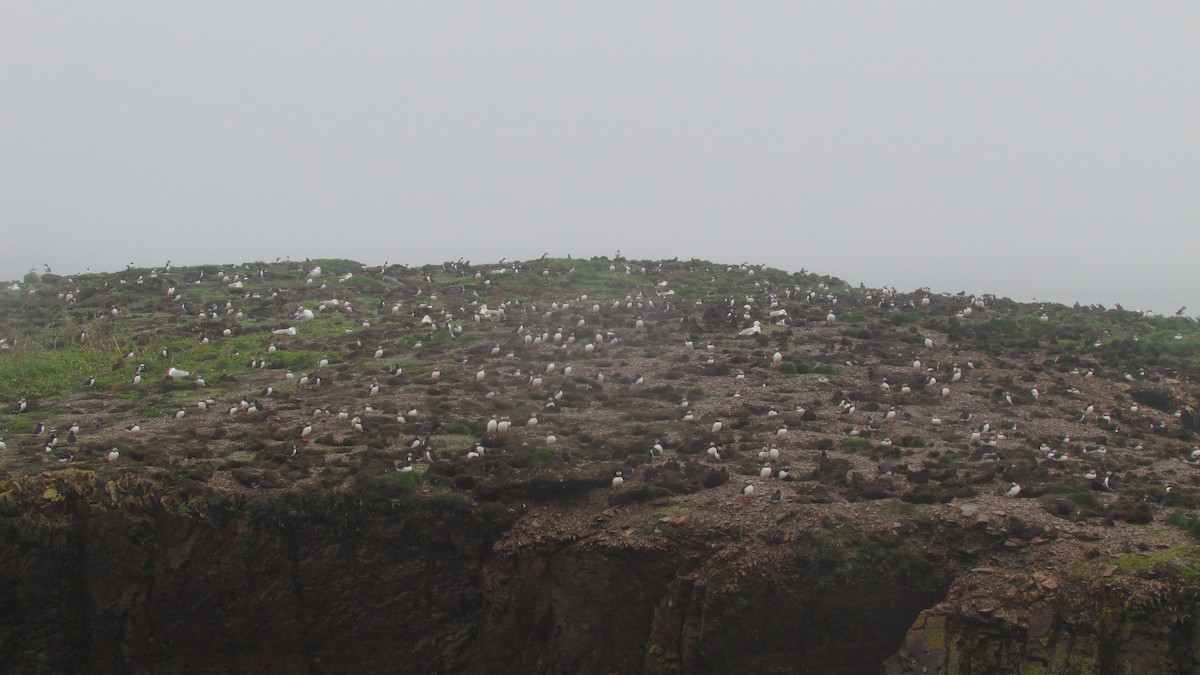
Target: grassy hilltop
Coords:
[(608, 356)]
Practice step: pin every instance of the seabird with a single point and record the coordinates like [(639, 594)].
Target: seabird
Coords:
[(753, 330), (747, 493)]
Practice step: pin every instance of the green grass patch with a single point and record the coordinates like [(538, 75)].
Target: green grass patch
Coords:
[(856, 442), (453, 442), (899, 509), (1176, 561), (37, 371), (1085, 499), (406, 481), (672, 507), (14, 424), (1189, 524), (905, 317)]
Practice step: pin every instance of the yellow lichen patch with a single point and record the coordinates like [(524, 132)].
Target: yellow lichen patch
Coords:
[(929, 630)]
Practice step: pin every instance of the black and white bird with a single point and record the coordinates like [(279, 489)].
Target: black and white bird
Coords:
[(747, 492)]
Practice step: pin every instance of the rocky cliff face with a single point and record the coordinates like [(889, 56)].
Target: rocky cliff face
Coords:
[(128, 577)]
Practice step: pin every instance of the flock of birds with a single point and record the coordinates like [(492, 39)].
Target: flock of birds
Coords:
[(560, 355)]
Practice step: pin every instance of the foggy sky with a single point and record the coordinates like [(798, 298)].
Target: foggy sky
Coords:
[(1028, 149)]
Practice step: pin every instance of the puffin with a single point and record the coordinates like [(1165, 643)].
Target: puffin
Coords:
[(747, 492)]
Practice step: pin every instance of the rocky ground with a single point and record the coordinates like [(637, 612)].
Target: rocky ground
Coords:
[(1002, 450)]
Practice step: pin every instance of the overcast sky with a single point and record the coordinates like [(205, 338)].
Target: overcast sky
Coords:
[(1029, 149)]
